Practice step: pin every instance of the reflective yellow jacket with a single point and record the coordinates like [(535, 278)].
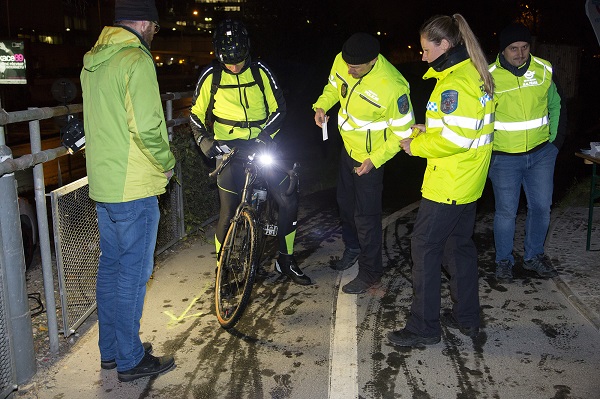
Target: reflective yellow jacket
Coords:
[(459, 136), (238, 99), (375, 110), (527, 107)]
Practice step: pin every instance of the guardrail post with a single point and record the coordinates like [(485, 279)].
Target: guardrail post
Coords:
[(14, 261), (44, 236)]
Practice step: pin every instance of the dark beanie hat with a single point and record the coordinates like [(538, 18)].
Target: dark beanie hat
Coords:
[(514, 33), (360, 48), (135, 10)]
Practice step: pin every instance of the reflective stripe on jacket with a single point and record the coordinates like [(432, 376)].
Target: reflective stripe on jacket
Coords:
[(459, 135), (375, 110), (127, 147), (240, 99), (522, 107)]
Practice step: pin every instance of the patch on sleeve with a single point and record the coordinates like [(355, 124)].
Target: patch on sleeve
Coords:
[(431, 106), (403, 106), (449, 101)]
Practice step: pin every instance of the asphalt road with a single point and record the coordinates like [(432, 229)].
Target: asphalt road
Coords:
[(316, 342)]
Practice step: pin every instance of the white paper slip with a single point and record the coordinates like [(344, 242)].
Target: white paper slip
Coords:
[(325, 131)]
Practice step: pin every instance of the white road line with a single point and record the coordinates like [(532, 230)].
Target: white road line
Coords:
[(343, 355), (343, 365)]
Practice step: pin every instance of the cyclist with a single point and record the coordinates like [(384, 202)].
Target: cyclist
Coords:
[(239, 103)]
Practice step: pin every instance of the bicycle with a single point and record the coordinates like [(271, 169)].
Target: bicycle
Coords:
[(244, 243)]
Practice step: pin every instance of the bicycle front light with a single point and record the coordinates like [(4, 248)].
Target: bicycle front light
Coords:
[(265, 159)]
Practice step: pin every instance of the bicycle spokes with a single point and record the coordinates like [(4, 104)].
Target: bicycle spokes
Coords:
[(236, 270)]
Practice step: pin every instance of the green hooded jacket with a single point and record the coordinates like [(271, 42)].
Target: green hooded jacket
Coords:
[(127, 146)]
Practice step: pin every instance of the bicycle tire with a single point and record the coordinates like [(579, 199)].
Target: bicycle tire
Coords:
[(236, 269)]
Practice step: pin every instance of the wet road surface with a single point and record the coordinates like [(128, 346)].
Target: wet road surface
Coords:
[(316, 342)]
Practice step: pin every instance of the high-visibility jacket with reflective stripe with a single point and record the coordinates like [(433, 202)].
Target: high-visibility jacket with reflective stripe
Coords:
[(239, 99), (375, 110), (522, 107), (459, 135)]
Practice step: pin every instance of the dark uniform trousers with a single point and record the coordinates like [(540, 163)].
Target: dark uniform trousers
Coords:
[(359, 201), (443, 233)]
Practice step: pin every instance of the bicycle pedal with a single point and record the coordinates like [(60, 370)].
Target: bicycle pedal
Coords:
[(270, 230)]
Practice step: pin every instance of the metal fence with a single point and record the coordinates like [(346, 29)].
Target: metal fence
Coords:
[(77, 245), (76, 240), (171, 225)]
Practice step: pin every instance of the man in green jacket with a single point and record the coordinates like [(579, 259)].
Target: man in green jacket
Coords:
[(375, 114), (529, 130), (129, 163)]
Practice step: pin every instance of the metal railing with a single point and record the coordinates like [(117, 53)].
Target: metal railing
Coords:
[(12, 266)]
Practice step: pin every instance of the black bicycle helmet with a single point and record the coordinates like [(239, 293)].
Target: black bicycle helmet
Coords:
[(231, 42)]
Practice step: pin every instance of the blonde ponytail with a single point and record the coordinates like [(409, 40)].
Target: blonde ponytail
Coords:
[(456, 31)]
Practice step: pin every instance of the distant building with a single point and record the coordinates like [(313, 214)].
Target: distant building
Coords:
[(57, 33)]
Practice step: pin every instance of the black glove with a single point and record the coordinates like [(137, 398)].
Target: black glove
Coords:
[(209, 147), (266, 140)]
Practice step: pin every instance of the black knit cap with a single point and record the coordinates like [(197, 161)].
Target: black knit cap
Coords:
[(135, 10), (360, 48), (514, 33)]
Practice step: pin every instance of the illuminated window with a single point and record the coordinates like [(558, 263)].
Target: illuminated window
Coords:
[(47, 39)]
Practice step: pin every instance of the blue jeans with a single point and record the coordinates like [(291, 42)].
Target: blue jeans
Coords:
[(535, 172), (128, 233)]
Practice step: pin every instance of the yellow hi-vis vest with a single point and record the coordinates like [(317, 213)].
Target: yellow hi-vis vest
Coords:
[(522, 121), (458, 140)]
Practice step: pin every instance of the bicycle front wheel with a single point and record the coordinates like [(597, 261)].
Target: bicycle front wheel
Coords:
[(236, 269)]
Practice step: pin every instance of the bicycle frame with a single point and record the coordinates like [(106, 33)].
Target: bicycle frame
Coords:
[(243, 245)]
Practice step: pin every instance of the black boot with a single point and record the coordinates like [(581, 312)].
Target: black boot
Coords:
[(286, 264)]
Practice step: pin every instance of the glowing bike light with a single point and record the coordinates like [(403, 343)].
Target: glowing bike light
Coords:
[(265, 159)]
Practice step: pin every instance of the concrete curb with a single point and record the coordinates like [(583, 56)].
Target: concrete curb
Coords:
[(562, 286)]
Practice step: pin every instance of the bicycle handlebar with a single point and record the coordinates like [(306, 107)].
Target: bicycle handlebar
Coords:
[(226, 159), (292, 173)]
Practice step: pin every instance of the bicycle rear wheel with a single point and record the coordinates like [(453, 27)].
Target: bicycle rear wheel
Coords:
[(236, 269)]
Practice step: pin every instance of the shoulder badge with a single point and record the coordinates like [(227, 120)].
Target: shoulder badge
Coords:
[(449, 101), (403, 106), (344, 90)]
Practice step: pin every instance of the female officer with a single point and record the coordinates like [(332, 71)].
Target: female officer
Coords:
[(457, 142)]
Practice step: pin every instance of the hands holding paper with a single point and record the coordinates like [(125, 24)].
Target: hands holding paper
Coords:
[(321, 120)]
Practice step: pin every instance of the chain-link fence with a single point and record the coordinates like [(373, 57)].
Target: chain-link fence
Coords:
[(77, 246), (170, 227)]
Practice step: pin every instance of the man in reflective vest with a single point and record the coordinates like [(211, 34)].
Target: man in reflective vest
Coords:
[(526, 141), (375, 114)]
